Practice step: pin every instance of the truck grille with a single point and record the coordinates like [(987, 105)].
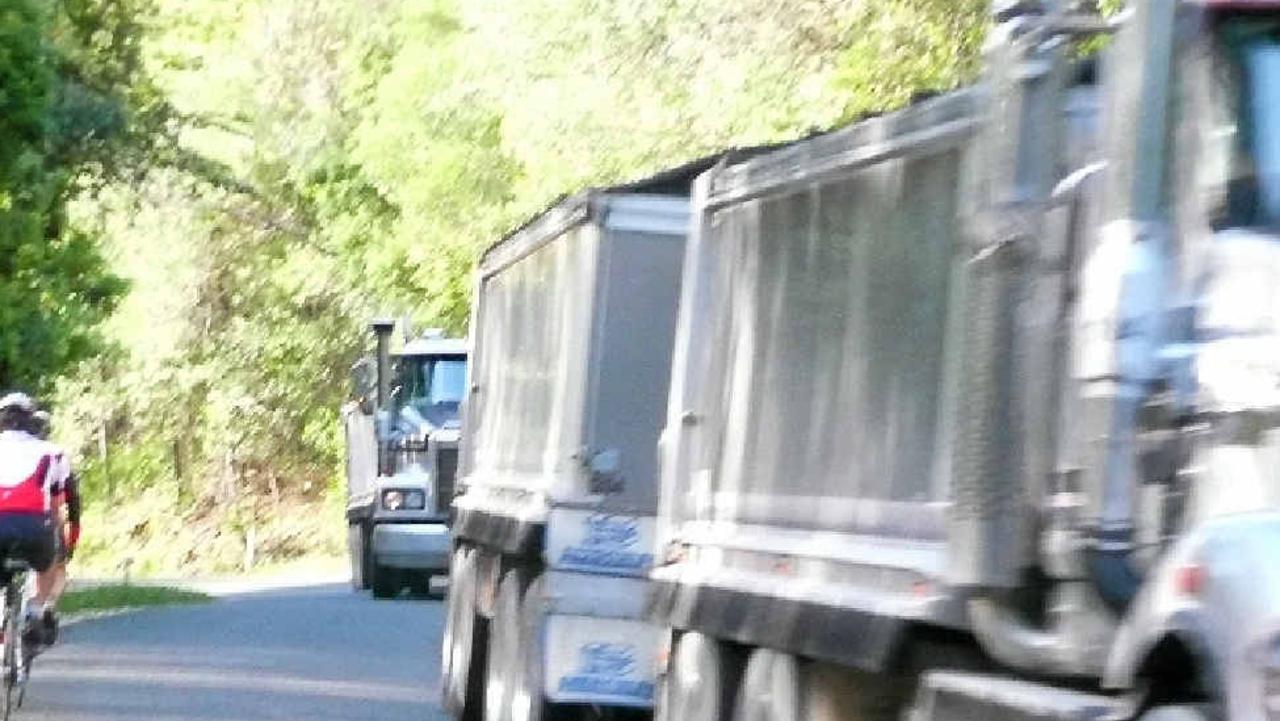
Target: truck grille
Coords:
[(446, 470)]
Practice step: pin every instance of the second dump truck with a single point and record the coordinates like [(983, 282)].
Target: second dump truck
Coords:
[(572, 328)]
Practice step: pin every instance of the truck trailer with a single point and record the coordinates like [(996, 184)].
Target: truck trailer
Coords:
[(975, 406), (402, 430), (573, 320)]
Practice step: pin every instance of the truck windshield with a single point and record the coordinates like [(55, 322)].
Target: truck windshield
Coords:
[(430, 381), (1248, 120)]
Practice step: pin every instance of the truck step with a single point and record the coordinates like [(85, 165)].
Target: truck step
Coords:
[(960, 696)]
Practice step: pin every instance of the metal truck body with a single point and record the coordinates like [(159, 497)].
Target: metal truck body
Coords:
[(572, 328), (402, 432), (975, 407)]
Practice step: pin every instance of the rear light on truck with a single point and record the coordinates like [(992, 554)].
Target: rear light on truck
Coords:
[(1189, 580)]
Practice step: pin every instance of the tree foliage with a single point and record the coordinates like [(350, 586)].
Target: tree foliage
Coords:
[(64, 104)]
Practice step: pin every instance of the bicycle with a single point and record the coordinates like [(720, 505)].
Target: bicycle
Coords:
[(16, 662)]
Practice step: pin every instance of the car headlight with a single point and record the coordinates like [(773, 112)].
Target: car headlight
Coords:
[(404, 500)]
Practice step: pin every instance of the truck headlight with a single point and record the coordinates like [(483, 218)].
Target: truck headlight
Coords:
[(404, 500)]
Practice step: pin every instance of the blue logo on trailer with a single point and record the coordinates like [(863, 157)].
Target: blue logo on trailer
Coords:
[(606, 659), (604, 671), (610, 544), (612, 531)]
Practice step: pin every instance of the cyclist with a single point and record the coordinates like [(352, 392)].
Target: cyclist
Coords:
[(29, 479), (66, 534)]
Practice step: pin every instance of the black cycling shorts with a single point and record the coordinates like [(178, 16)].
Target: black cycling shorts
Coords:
[(27, 536)]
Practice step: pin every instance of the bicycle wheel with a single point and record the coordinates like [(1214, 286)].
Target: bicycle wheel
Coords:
[(26, 656), (12, 646)]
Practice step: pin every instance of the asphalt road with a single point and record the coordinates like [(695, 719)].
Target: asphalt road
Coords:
[(320, 654)]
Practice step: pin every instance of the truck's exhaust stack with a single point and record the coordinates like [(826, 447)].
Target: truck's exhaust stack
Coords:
[(991, 497), (999, 472), (382, 329), (992, 525), (988, 507)]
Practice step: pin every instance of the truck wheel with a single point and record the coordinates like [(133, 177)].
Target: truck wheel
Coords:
[(504, 650), (528, 702), (694, 687), (835, 693), (453, 625), (358, 550), (465, 642), (771, 688), (385, 581)]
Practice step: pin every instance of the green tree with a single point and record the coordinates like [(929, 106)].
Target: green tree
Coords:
[(54, 286)]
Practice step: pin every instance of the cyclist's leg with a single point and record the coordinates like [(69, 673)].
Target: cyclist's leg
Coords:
[(58, 583), (58, 577), (45, 552)]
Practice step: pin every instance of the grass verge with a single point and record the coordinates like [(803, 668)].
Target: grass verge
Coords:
[(115, 597)]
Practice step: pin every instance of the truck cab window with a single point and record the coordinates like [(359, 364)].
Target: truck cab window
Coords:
[(431, 381), (1244, 141), (446, 380)]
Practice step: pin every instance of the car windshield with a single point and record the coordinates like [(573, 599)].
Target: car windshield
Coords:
[(1247, 126), (429, 381)]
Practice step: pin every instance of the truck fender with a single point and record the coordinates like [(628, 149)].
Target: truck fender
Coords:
[(1173, 663), (1163, 646), (1213, 599)]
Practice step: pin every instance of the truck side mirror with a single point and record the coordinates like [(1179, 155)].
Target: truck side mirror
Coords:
[(364, 383), (605, 468)]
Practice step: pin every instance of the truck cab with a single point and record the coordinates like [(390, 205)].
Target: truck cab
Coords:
[(402, 430)]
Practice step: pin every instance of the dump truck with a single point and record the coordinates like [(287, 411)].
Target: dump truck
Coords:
[(975, 406), (402, 430), (573, 320)]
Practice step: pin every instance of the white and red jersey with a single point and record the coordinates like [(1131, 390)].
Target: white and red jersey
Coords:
[(59, 471), (32, 471)]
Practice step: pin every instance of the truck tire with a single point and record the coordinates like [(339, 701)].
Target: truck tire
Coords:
[(695, 687), (528, 702), (505, 652), (452, 626), (836, 693), (385, 581), (358, 550), (354, 555), (772, 688), (465, 642)]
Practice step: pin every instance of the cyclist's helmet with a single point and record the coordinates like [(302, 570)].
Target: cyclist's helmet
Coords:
[(16, 411)]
